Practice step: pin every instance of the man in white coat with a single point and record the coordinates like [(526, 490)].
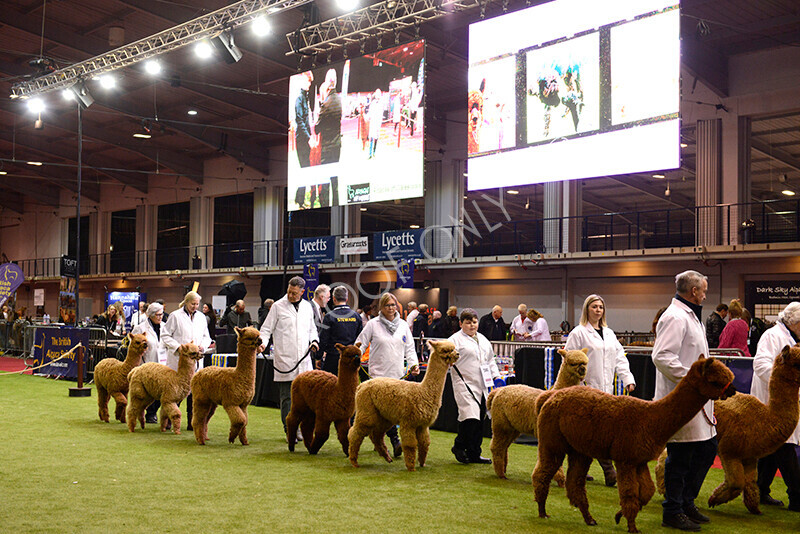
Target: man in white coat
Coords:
[(156, 351), (471, 377), (785, 332), (521, 326), (185, 325), (290, 322), (680, 340)]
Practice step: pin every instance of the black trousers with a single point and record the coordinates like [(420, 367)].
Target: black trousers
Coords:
[(470, 434), (785, 459), (152, 410), (684, 472)]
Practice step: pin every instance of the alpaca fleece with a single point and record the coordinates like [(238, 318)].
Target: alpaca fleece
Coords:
[(514, 409), (383, 402), (111, 377), (154, 381), (583, 423), (320, 398), (231, 387)]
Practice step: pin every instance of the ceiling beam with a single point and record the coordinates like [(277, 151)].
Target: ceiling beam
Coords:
[(638, 183), (775, 153), (33, 188), (702, 61), (10, 200)]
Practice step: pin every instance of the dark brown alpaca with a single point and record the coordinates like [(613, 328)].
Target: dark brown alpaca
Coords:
[(111, 377), (232, 387), (320, 398), (583, 423)]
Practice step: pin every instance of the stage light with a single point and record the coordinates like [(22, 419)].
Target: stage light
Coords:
[(226, 48), (204, 50), (788, 192), (347, 5), (107, 81), (414, 226), (141, 135), (67, 94), (658, 176), (363, 209), (261, 26), (512, 192), (35, 105), (152, 67), (192, 112), (81, 93), (35, 163), (3, 173), (684, 145)]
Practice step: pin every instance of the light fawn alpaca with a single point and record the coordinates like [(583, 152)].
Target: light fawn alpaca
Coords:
[(111, 377), (233, 388), (514, 412), (156, 382), (585, 423), (383, 402), (320, 398)]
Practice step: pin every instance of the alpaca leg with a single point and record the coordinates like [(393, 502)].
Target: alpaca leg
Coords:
[(376, 436), (122, 403), (135, 412), (200, 416), (243, 431), (577, 467), (546, 466), (322, 429), (102, 402), (751, 494), (207, 419), (731, 487), (355, 436), (628, 487), (172, 413), (342, 426), (238, 419), (408, 437), (502, 438), (163, 416), (646, 487), (423, 444), (307, 429), (292, 422)]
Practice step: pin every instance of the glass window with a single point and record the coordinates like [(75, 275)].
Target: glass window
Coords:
[(172, 243), (123, 241), (233, 231)]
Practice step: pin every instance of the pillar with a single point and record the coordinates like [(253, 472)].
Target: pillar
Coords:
[(708, 183), (444, 200), (736, 179), (201, 231), (268, 208), (146, 236)]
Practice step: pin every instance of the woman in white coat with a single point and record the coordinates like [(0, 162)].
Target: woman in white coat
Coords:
[(785, 332), (156, 352), (471, 379), (605, 357), (184, 325), (391, 348), (540, 331)]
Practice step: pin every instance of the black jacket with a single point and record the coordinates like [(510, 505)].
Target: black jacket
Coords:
[(340, 325), (232, 319), (493, 330), (420, 326), (714, 325)]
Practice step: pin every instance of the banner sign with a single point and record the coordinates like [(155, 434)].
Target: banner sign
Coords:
[(130, 303), (405, 274), (11, 278), (52, 343), (311, 276), (69, 267), (314, 249), (398, 244), (767, 299), (353, 245)]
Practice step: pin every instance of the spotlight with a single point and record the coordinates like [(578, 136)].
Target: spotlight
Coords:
[(261, 26), (35, 163), (152, 67), (35, 105), (192, 112), (414, 226), (67, 94), (81, 93), (788, 192), (347, 5), (204, 50), (226, 48), (107, 81), (512, 192)]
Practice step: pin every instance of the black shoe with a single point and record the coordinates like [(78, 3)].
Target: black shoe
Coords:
[(397, 447), (681, 522), (460, 454), (151, 420), (480, 460), (769, 501), (694, 514)]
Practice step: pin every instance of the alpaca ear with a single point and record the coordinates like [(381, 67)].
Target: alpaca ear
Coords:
[(701, 357), (433, 344), (784, 355), (585, 350), (358, 345), (339, 347), (562, 352)]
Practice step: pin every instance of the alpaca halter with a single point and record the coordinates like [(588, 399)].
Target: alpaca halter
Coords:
[(713, 419)]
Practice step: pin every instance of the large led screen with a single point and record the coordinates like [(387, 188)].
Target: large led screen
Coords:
[(357, 131), (573, 89)]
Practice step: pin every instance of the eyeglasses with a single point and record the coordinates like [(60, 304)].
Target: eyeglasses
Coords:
[(390, 305)]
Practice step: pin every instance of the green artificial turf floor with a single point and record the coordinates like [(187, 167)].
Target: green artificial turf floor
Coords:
[(63, 470)]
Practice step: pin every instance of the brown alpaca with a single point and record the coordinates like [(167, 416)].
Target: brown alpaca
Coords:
[(320, 398), (383, 402), (156, 382), (111, 377), (583, 423), (233, 388), (514, 410)]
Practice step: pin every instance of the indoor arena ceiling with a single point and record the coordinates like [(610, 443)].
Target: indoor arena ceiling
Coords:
[(242, 107)]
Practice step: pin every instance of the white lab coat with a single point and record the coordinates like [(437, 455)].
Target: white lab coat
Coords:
[(138, 318), (520, 327), (471, 355), (156, 351), (388, 352), (680, 340), (605, 356), (411, 316), (769, 346), (180, 329), (292, 331), (540, 332)]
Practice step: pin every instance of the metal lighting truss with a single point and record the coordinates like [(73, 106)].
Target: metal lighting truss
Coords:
[(390, 15), (209, 25)]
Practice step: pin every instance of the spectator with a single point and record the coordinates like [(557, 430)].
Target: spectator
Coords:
[(110, 320), (734, 335), (540, 331), (340, 325), (680, 339), (320, 303), (439, 326), (715, 324), (366, 312), (235, 316), (785, 332), (453, 324), (492, 325), (521, 326), (420, 326), (166, 314), (412, 313), (139, 316), (263, 310), (211, 320)]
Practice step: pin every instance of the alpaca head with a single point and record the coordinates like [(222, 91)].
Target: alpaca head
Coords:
[(190, 351), (787, 364), (248, 338), (573, 365), (444, 350), (349, 356), (715, 379), (137, 343)]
